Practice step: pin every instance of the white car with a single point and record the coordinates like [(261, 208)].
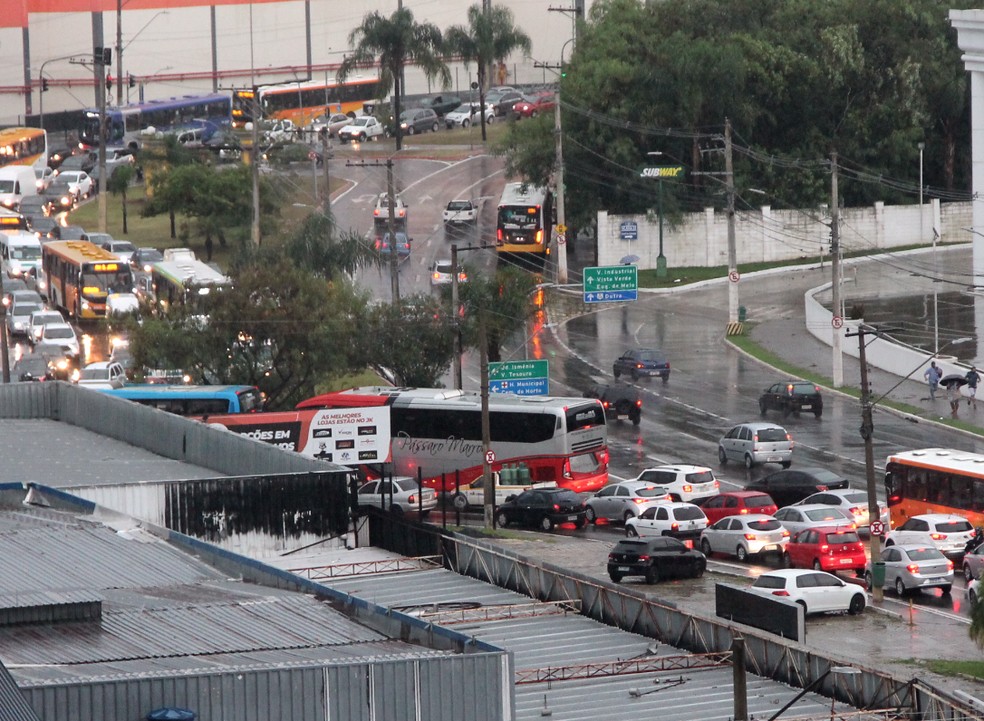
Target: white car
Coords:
[(460, 211), (679, 520), (101, 375), (467, 114), (684, 482), (440, 273), (39, 319), (78, 182), (853, 501), (380, 212), (744, 536), (473, 494), (282, 131), (407, 497), (625, 500), (62, 335), (816, 515), (815, 591), (361, 129), (947, 531)]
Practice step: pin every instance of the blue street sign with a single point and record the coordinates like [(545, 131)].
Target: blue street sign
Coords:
[(628, 230), (524, 387), (610, 296)]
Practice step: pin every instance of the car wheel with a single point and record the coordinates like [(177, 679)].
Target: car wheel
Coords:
[(410, 130), (362, 137), (786, 410), (424, 514), (636, 417), (857, 605), (396, 510), (546, 523), (786, 464), (818, 412), (762, 408), (666, 378), (627, 515), (434, 128), (787, 562), (616, 372), (700, 568), (590, 515), (968, 576), (631, 532), (722, 456), (741, 553), (501, 520), (635, 375), (460, 502), (616, 577), (816, 565), (652, 575), (972, 597), (946, 590), (748, 461), (705, 547), (580, 522), (899, 587), (489, 120), (533, 113), (465, 123), (869, 581)]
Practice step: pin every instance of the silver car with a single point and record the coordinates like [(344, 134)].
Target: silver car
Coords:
[(756, 443), (909, 568), (400, 495), (744, 536), (625, 500)]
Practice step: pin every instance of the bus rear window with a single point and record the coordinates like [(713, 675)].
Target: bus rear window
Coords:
[(586, 416), (250, 401)]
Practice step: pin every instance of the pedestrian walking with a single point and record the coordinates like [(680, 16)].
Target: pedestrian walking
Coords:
[(973, 378), (932, 376), (953, 395)]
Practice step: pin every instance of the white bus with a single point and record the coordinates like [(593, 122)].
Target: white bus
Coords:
[(185, 282)]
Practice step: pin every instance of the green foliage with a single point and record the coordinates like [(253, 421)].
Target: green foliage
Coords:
[(318, 246), (505, 302), (413, 339), (976, 629)]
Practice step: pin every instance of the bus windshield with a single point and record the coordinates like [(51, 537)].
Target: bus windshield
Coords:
[(25, 252), (518, 217), (113, 281)]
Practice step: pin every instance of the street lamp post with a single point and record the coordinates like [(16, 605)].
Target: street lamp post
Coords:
[(922, 234), (659, 173)]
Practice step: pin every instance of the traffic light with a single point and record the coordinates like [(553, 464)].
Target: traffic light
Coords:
[(107, 56), (109, 81), (44, 85), (102, 56), (563, 70), (131, 81)]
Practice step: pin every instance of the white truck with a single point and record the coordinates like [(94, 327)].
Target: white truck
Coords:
[(16, 181)]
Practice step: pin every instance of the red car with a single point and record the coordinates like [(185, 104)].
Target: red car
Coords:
[(532, 105), (826, 549), (737, 503)]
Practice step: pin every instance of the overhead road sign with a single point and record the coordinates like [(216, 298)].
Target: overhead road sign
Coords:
[(524, 378), (611, 283)]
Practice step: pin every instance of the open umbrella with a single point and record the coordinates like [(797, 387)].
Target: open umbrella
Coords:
[(169, 713), (954, 379), (629, 259)]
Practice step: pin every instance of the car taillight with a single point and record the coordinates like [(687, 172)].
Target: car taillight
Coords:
[(789, 389), (717, 485), (379, 243), (790, 439), (539, 237), (437, 276), (639, 403), (821, 487), (824, 548), (912, 568), (749, 536), (674, 526), (611, 557), (604, 404), (498, 236), (742, 511), (638, 365), (780, 593), (643, 558), (640, 501), (556, 508), (785, 533), (949, 565), (567, 469), (857, 510), (859, 546), (376, 212), (938, 536), (688, 489)]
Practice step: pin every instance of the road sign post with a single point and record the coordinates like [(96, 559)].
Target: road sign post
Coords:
[(610, 283), (524, 378)]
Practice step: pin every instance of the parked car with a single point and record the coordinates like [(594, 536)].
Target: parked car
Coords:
[(912, 568), (654, 559), (797, 518), (542, 101), (62, 335), (946, 531), (542, 508), (441, 273), (679, 520), (684, 482), (460, 211), (380, 213), (791, 397), (419, 120), (78, 182), (100, 375), (361, 129), (441, 104), (744, 536), (828, 548), (757, 443), (852, 501), (737, 503), (792, 486), (399, 494), (333, 123), (815, 591), (501, 101), (625, 500), (467, 114), (402, 244), (144, 259), (642, 363)]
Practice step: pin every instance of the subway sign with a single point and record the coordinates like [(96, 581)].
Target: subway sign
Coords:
[(662, 171)]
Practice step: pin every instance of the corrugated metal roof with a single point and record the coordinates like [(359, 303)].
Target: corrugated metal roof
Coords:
[(13, 705)]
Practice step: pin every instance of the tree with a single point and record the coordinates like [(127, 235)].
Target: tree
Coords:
[(490, 36), (976, 630), (412, 339), (119, 181), (395, 41), (317, 246), (509, 302)]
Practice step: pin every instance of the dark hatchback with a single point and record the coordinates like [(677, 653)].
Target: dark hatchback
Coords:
[(792, 397), (654, 558), (793, 485), (642, 362), (542, 508), (620, 401)]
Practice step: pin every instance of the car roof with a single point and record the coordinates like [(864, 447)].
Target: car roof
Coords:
[(940, 517), (635, 483), (759, 425), (814, 507), (680, 468), (793, 573), (741, 494), (829, 529), (752, 517), (915, 547), (52, 326)]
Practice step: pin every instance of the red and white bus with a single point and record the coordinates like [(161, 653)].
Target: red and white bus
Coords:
[(560, 440)]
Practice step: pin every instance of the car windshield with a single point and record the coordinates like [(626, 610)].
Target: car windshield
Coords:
[(758, 501), (824, 514), (127, 248), (93, 374), (804, 389), (459, 205), (771, 435), (25, 309), (463, 109), (954, 526), (361, 121), (688, 513), (150, 256), (652, 492), (701, 477), (769, 525), (925, 554), (52, 332), (843, 537), (21, 252), (770, 582)]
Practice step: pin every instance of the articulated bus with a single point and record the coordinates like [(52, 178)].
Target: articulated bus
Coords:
[(560, 440), (303, 101), (935, 480), (524, 220), (24, 146), (188, 400), (80, 276), (125, 124), (185, 282)]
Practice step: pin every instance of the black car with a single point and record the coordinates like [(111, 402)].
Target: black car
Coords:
[(32, 368), (654, 558), (68, 232), (793, 485), (33, 205), (42, 226), (60, 198), (642, 362), (620, 401), (144, 258), (441, 104), (542, 508), (792, 397), (84, 161)]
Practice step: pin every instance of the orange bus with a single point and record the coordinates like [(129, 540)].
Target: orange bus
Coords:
[(301, 102), (935, 480), (80, 277)]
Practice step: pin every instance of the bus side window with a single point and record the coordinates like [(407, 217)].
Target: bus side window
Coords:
[(977, 501), (889, 484)]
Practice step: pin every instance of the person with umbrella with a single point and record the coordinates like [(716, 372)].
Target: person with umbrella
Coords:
[(952, 383)]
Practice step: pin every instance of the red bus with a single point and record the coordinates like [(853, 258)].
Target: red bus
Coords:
[(560, 440)]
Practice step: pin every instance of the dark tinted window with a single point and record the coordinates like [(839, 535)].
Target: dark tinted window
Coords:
[(651, 492), (770, 525), (689, 513), (758, 501), (585, 416), (804, 389), (630, 547), (771, 435), (703, 477), (926, 554), (770, 582), (843, 537), (954, 527)]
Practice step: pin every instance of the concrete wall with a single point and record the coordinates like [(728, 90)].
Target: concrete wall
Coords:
[(701, 239)]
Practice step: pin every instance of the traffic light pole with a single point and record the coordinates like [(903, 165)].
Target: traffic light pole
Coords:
[(391, 222)]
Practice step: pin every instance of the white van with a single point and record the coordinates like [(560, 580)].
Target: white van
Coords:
[(16, 181), (20, 253)]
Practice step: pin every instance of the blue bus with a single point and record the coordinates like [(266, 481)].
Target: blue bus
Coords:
[(184, 400), (126, 124)]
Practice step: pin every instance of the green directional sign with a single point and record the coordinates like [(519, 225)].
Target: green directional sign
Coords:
[(525, 378), (609, 283)]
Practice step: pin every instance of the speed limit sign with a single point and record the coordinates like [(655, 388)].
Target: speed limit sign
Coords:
[(490, 457), (877, 528), (837, 321)]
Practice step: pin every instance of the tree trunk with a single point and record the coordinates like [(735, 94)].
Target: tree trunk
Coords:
[(174, 233), (125, 231), (481, 99), (397, 92)]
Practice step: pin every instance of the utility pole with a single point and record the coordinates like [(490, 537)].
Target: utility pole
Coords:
[(4, 341), (729, 179), (325, 150), (255, 163), (488, 495), (119, 52), (102, 58), (391, 222), (561, 212), (456, 359), (867, 432), (838, 356)]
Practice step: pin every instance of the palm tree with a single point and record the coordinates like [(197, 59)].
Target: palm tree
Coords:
[(396, 41), (490, 37), (119, 181)]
